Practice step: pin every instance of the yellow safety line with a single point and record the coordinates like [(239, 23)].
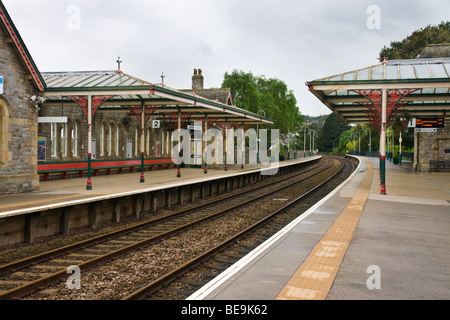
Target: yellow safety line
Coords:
[(313, 280)]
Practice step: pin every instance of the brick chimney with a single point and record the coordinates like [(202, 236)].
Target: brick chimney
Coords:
[(197, 80)]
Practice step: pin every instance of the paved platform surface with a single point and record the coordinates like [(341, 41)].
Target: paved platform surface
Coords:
[(61, 192), (396, 246)]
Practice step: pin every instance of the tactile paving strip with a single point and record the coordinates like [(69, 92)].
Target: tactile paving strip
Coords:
[(314, 278)]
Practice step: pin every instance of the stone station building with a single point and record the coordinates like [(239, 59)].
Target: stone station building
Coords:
[(68, 119)]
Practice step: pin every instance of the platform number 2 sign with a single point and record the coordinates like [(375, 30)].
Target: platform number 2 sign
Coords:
[(155, 124)]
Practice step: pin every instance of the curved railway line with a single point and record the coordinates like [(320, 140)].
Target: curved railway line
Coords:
[(170, 256)]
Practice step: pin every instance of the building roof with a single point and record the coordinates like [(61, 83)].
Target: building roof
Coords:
[(131, 91), (222, 95), (430, 77), (7, 23), (435, 51)]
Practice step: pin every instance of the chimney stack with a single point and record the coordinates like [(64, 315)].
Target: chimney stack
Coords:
[(197, 80)]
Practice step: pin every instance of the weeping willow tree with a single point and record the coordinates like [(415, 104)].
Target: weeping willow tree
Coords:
[(256, 93)]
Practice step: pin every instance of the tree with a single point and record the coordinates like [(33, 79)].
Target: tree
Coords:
[(330, 132), (358, 137), (271, 95), (412, 45)]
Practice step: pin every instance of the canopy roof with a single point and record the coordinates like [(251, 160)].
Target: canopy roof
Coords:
[(430, 77), (130, 91)]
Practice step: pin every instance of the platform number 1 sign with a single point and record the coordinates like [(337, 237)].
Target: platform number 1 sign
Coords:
[(155, 123), (1, 85)]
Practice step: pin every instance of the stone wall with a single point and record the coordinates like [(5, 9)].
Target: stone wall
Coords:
[(431, 146), (18, 123)]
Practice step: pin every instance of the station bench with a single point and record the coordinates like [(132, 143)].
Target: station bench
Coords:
[(45, 169)]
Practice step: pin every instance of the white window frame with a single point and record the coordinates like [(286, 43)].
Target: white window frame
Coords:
[(74, 135), (54, 138)]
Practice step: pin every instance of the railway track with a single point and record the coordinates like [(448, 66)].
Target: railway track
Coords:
[(21, 278), (183, 281)]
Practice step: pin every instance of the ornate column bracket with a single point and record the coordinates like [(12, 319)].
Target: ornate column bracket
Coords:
[(174, 117), (374, 104), (97, 101), (137, 111)]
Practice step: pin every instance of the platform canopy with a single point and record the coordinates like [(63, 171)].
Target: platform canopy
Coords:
[(116, 91), (421, 88)]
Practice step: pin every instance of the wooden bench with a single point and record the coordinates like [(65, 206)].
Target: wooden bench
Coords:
[(45, 169)]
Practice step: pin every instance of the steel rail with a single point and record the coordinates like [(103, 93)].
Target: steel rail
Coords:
[(154, 286), (31, 287), (26, 262)]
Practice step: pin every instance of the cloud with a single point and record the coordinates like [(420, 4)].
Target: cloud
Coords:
[(294, 41)]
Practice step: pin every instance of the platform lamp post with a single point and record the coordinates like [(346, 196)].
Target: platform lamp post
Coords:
[(359, 142), (389, 144), (205, 171), (295, 149), (257, 137), (315, 134), (304, 141), (89, 174), (353, 134), (383, 142), (370, 140), (142, 178)]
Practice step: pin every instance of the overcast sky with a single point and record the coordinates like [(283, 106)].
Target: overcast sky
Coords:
[(294, 41)]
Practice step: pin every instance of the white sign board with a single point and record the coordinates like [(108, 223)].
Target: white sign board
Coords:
[(156, 124), (52, 119), (1, 85), (195, 127), (129, 148), (426, 130)]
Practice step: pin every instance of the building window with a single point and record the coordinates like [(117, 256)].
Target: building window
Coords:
[(117, 140), (64, 140), (54, 138), (147, 141), (74, 137), (109, 139)]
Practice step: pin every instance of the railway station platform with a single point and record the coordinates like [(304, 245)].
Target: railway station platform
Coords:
[(62, 192), (61, 206), (355, 244)]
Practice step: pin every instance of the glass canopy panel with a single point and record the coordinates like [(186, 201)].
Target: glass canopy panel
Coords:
[(391, 72), (407, 72), (349, 76), (442, 90), (428, 91), (377, 73), (336, 78), (447, 68), (438, 71), (363, 74), (422, 71)]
